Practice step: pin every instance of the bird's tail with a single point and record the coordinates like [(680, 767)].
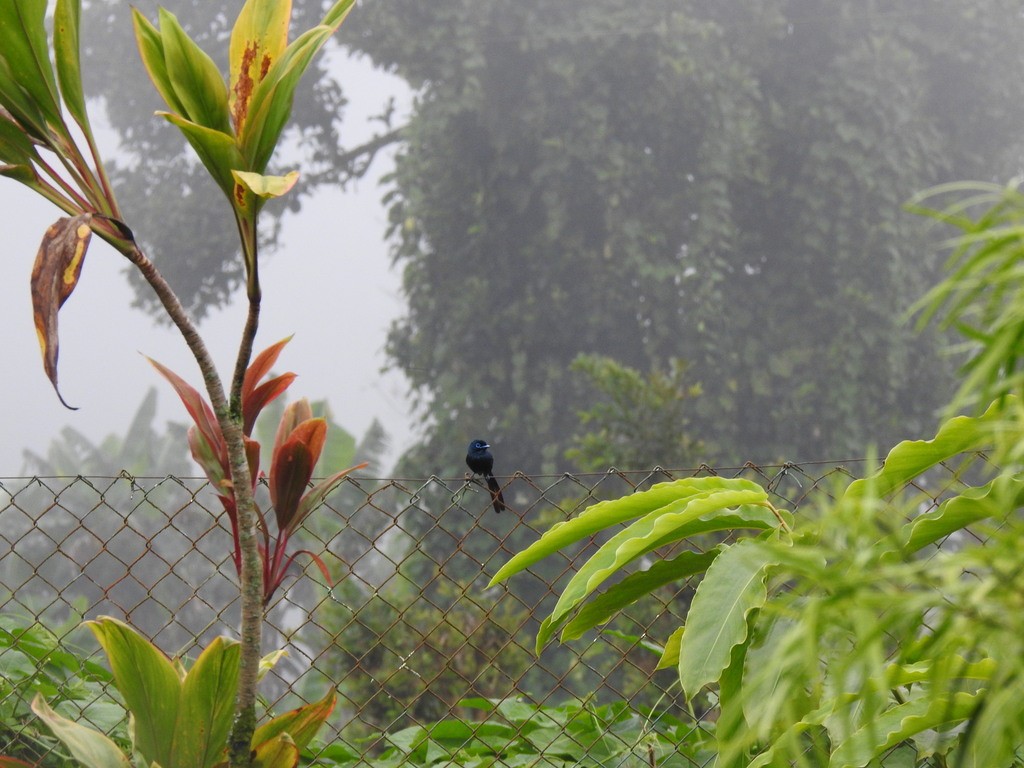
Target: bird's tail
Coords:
[(496, 498)]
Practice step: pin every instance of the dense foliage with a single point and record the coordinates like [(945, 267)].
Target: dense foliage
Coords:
[(879, 625)]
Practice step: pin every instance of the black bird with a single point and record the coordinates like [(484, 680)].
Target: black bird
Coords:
[(480, 462)]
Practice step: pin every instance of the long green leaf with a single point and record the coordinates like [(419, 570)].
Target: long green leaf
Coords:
[(898, 724), (218, 152), (207, 706), (733, 586), (606, 514), (671, 523), (1005, 492), (66, 55), (912, 457), (25, 48), (337, 13), (151, 50), (149, 684), (194, 76), (635, 586), (15, 146), (91, 748)]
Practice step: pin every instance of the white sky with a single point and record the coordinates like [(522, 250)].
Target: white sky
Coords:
[(338, 301)]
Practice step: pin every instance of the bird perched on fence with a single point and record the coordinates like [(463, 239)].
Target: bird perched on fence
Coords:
[(480, 462)]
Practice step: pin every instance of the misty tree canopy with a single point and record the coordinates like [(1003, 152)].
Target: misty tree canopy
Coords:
[(716, 182), (720, 182)]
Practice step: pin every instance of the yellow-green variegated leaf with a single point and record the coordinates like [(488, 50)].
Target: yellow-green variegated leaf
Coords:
[(271, 103), (66, 55), (266, 186), (195, 78), (258, 39), (54, 276)]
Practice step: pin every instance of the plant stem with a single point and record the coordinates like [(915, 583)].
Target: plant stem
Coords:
[(251, 572)]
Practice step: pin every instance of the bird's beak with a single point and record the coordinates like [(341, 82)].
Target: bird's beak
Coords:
[(486, 445)]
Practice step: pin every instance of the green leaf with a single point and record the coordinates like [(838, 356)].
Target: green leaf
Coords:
[(66, 54), (635, 586), (196, 80), (670, 656), (207, 706), (91, 748), (278, 752), (912, 457), (733, 586), (606, 514), (667, 524), (25, 49), (337, 13), (1005, 492), (149, 684), (218, 153), (898, 724), (21, 105)]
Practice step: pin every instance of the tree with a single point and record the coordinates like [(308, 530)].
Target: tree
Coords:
[(711, 182)]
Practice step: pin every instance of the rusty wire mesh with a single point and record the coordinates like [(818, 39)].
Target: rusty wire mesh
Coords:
[(409, 629)]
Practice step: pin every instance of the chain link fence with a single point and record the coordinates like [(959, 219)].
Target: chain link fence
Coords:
[(407, 633)]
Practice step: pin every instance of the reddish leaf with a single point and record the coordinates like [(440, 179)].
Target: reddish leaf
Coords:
[(294, 414), (55, 274), (290, 471), (200, 411), (254, 397), (258, 399)]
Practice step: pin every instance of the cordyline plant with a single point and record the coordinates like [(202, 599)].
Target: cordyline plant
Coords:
[(298, 443), (234, 126)]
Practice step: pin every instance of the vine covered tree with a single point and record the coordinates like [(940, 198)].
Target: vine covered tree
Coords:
[(717, 183)]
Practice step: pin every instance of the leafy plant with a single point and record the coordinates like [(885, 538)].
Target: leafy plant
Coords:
[(181, 718), (299, 440), (523, 733), (847, 635), (34, 660)]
